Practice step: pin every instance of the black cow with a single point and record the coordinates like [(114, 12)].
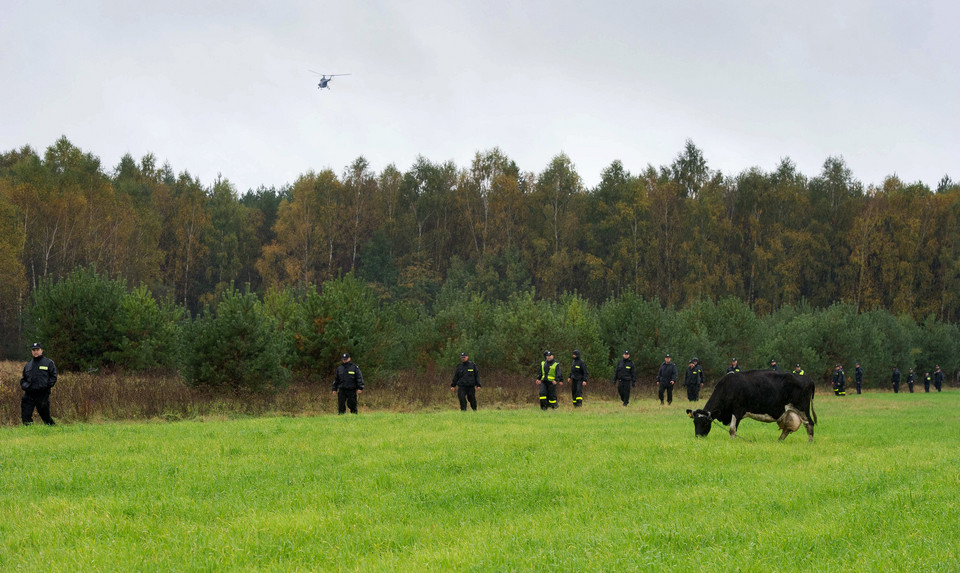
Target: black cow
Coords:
[(764, 395)]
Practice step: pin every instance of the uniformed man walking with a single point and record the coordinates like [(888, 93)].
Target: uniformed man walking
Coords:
[(577, 379), (797, 370), (773, 365), (839, 382), (734, 366), (625, 377), (938, 379), (910, 380), (347, 383), (666, 378), (547, 379), (895, 379), (859, 378), (926, 381), (693, 379), (39, 376), (466, 379)]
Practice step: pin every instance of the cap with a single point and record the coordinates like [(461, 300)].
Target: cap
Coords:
[(345, 356), (694, 359), (773, 361), (667, 356), (463, 355), (734, 360), (626, 352), (36, 345), (798, 366), (576, 353), (547, 353), (858, 364)]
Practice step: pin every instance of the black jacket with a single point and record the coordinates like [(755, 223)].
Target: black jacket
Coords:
[(625, 372), (348, 377), (667, 373), (733, 368), (578, 370), (838, 377), (693, 377), (39, 373), (467, 374), (859, 374), (895, 377)]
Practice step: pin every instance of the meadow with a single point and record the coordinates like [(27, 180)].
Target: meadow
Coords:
[(600, 488)]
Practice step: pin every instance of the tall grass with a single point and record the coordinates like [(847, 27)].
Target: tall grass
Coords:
[(602, 488), (83, 397)]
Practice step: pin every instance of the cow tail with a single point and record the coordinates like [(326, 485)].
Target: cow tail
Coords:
[(813, 413)]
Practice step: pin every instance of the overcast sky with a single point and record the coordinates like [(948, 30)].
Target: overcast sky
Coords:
[(224, 87)]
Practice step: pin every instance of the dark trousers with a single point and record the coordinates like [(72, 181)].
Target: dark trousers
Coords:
[(926, 386), (576, 392), (346, 398), (859, 386), (939, 385), (39, 399), (548, 395), (910, 385), (623, 389), (465, 393), (668, 388), (896, 387), (693, 392)]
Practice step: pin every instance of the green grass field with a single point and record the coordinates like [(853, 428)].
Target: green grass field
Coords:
[(604, 488)]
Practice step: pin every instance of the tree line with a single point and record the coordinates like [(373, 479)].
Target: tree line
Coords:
[(678, 234), (244, 341)]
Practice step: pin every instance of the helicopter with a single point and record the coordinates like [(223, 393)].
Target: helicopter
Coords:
[(325, 79)]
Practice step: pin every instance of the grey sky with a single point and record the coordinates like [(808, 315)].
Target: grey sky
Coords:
[(223, 87)]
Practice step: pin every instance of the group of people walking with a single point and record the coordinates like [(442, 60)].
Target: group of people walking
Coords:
[(40, 375), (936, 379)]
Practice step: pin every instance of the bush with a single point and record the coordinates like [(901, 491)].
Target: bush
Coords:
[(237, 346), (149, 333)]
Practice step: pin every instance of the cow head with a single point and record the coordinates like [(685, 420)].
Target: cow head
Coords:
[(702, 421)]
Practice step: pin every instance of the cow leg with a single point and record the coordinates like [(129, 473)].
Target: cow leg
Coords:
[(783, 434), (733, 426)]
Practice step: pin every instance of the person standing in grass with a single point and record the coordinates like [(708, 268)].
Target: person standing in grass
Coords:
[(938, 379), (693, 379), (39, 376), (926, 381), (910, 380), (548, 378), (895, 380), (859, 377), (773, 365), (347, 383), (466, 379), (625, 377), (577, 379), (666, 378), (797, 370), (839, 381)]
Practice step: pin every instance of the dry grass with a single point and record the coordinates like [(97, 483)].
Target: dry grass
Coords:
[(84, 397)]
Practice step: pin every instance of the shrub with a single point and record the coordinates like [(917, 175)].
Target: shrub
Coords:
[(237, 345)]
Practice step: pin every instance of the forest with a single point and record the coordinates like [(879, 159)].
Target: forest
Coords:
[(672, 237)]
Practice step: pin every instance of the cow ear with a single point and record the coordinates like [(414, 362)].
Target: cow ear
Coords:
[(689, 413)]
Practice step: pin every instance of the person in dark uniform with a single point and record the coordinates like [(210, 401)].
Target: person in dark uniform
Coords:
[(625, 377), (773, 365), (666, 378), (466, 379), (39, 376), (839, 381), (577, 379), (347, 383), (859, 377), (910, 380), (926, 381), (547, 379), (895, 379), (734, 366), (693, 379), (797, 370), (938, 379)]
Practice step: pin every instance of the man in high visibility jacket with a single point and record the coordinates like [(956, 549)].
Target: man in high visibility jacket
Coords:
[(548, 378)]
